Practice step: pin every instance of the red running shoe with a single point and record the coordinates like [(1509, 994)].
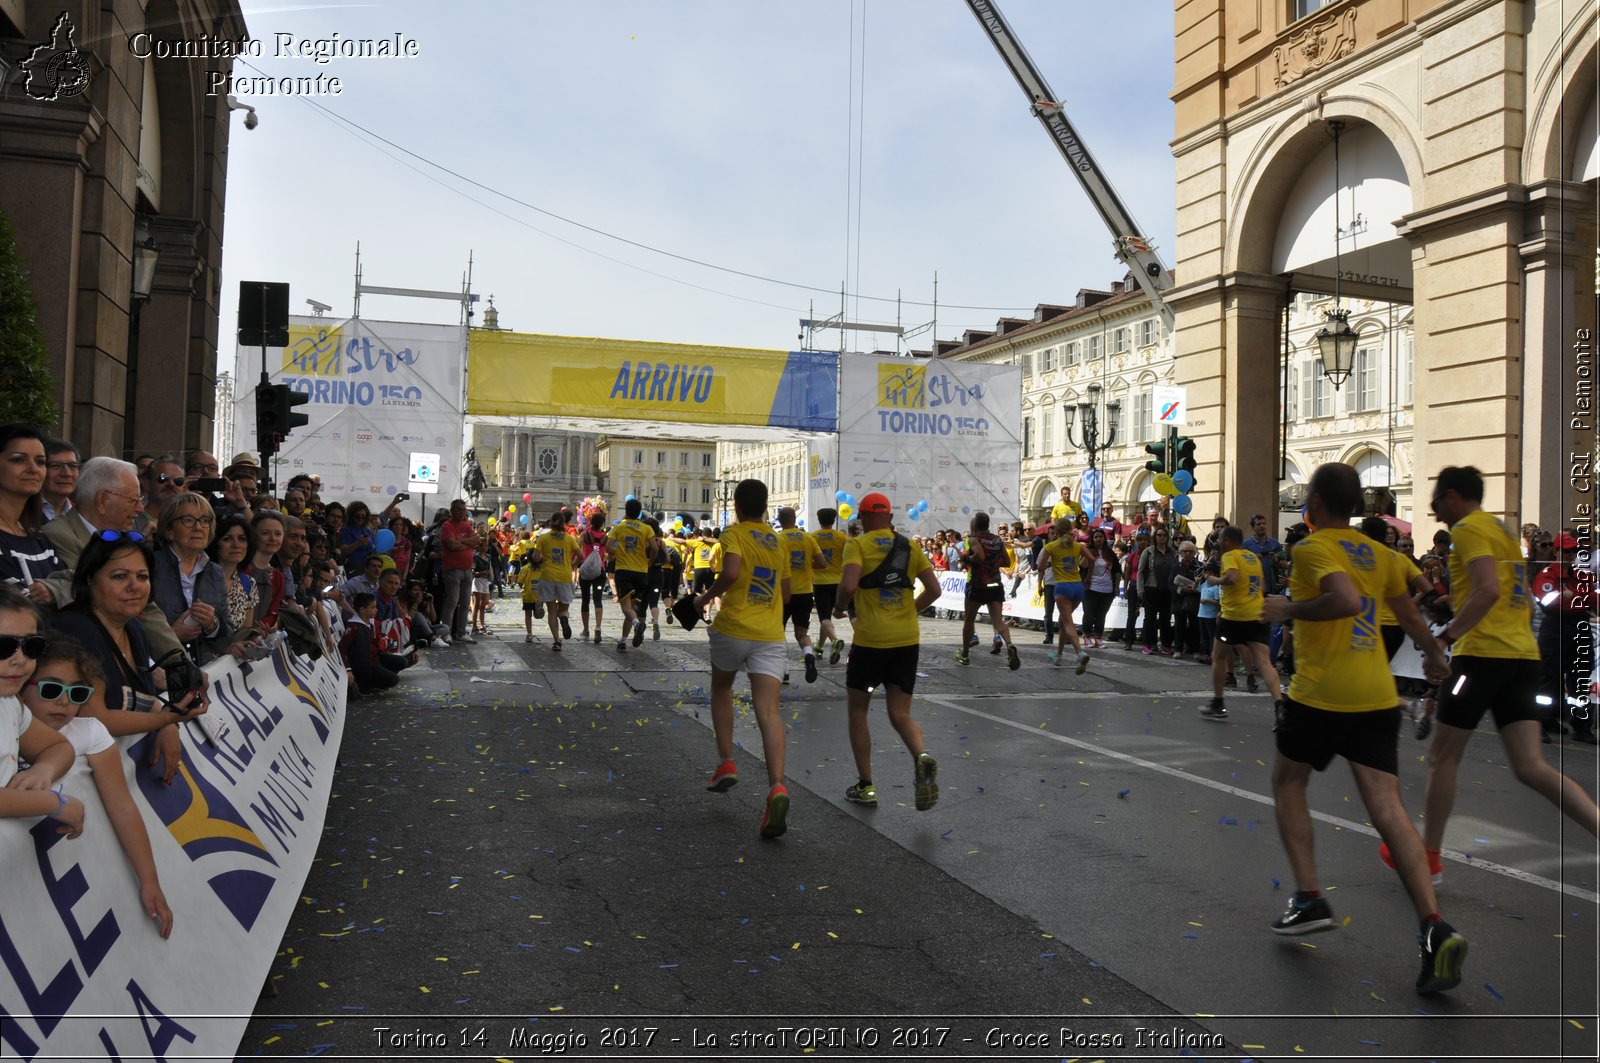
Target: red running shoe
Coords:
[(723, 778), (774, 821)]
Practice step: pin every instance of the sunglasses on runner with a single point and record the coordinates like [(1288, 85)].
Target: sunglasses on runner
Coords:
[(52, 689), (32, 646)]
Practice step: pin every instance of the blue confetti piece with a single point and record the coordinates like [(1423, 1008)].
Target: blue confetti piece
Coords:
[(573, 948), (1047, 955), (667, 966), (980, 789), (1193, 936), (1481, 841), (947, 833), (283, 1026), (1276, 884), (1124, 793), (1371, 1044), (1493, 992)]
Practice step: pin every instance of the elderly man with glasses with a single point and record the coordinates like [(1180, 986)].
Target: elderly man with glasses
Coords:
[(108, 500)]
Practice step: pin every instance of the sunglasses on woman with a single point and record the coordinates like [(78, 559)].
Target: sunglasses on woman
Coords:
[(112, 536), (52, 689), (32, 646)]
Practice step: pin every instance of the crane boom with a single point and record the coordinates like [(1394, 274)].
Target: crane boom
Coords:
[(1134, 250)]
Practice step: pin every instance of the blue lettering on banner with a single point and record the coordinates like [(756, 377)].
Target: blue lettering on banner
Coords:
[(65, 892), (663, 382), (947, 390), (166, 1030), (911, 422)]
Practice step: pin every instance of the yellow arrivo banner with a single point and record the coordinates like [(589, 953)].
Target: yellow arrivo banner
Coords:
[(514, 374)]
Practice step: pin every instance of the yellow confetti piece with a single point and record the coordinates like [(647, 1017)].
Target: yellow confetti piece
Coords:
[(833, 935), (794, 947), (1089, 1002), (325, 1022), (1307, 945), (1347, 920), (272, 1040), (1297, 1048), (1193, 923), (535, 917), (322, 985), (1576, 1023), (1255, 1048), (1048, 937), (557, 1007), (424, 988), (471, 972), (1204, 1015), (860, 912)]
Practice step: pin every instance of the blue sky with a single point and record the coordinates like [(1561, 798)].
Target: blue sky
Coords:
[(714, 129)]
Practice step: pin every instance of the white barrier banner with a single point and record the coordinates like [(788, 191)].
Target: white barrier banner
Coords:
[(1026, 604), (930, 430), (84, 973), (378, 390)]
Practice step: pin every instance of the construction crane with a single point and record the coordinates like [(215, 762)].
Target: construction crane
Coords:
[(1134, 250)]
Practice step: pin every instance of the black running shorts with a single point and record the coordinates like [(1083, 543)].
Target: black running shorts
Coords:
[(1506, 687), (1315, 736), (798, 609), (870, 668), (984, 593), (633, 584), (826, 596), (1393, 639), (1239, 632), (703, 579)]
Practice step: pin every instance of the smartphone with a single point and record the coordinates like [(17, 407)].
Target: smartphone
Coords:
[(214, 486), (403, 496), (329, 589)]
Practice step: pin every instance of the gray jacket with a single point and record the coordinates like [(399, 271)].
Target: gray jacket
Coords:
[(166, 590)]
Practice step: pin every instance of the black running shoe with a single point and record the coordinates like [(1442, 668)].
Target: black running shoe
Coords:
[(1215, 711), (1444, 950), (638, 632), (1306, 917), (566, 628), (811, 668)]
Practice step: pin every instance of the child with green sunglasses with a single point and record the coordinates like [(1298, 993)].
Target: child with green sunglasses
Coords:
[(65, 678)]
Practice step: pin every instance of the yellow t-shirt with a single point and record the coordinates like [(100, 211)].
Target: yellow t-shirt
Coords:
[(886, 618), (1409, 567), (558, 549), (1505, 631), (802, 548), (1241, 600), (830, 544), (1065, 553), (528, 577), (753, 607), (630, 545), (702, 553), (716, 557), (1070, 510), (1340, 665)]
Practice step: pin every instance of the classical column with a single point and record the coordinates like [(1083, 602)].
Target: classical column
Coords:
[(1556, 370)]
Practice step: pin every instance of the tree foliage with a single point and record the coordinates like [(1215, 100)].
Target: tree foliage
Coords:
[(27, 388)]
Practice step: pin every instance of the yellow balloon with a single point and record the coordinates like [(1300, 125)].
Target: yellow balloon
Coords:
[(513, 508), (1164, 485), (491, 522), (846, 511)]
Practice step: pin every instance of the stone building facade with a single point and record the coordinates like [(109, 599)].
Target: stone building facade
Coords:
[(138, 158), (1466, 189), (781, 466), (667, 475), (556, 467)]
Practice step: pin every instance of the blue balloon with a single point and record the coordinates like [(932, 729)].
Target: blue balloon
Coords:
[(914, 515), (922, 506), (522, 519), (840, 496), (1183, 480), (383, 541), (1182, 504), (628, 499)]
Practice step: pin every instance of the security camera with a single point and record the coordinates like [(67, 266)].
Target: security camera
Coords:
[(250, 119), (320, 308)]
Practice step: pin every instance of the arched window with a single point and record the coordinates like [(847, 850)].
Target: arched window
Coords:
[(1373, 468)]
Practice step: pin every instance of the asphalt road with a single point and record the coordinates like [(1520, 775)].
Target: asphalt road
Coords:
[(520, 845)]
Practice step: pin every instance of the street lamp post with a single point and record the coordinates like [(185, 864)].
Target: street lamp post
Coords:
[(1089, 422), (727, 487)]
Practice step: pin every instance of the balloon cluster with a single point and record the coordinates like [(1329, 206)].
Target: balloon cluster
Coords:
[(847, 504), (590, 506), (917, 509), (1176, 486)]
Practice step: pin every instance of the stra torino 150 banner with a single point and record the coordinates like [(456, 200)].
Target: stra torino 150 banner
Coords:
[(379, 390), (84, 973), (924, 430)]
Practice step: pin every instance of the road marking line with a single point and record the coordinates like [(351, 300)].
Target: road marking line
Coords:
[(1178, 773)]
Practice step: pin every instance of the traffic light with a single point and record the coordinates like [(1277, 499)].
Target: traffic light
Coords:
[(1183, 451), (275, 416), (1158, 464)]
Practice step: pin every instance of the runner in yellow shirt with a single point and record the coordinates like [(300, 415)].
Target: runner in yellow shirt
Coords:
[(557, 554), (825, 580), (1343, 702), (632, 544), (528, 578), (748, 637), (804, 559), (1495, 664), (1066, 507), (1240, 626), (1064, 554), (881, 569)]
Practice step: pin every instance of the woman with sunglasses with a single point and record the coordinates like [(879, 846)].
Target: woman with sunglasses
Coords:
[(189, 589), (66, 677), (34, 792), (26, 556), (110, 588)]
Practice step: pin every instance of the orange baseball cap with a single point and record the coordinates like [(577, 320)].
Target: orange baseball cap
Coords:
[(875, 503)]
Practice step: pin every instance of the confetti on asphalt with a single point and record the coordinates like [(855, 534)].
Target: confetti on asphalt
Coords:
[(1493, 992)]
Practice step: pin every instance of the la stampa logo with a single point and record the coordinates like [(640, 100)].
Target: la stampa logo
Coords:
[(57, 70)]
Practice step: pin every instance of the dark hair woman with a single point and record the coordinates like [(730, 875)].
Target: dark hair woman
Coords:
[(26, 556), (1100, 586)]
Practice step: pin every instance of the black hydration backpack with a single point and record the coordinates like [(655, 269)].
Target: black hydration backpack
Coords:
[(893, 572)]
